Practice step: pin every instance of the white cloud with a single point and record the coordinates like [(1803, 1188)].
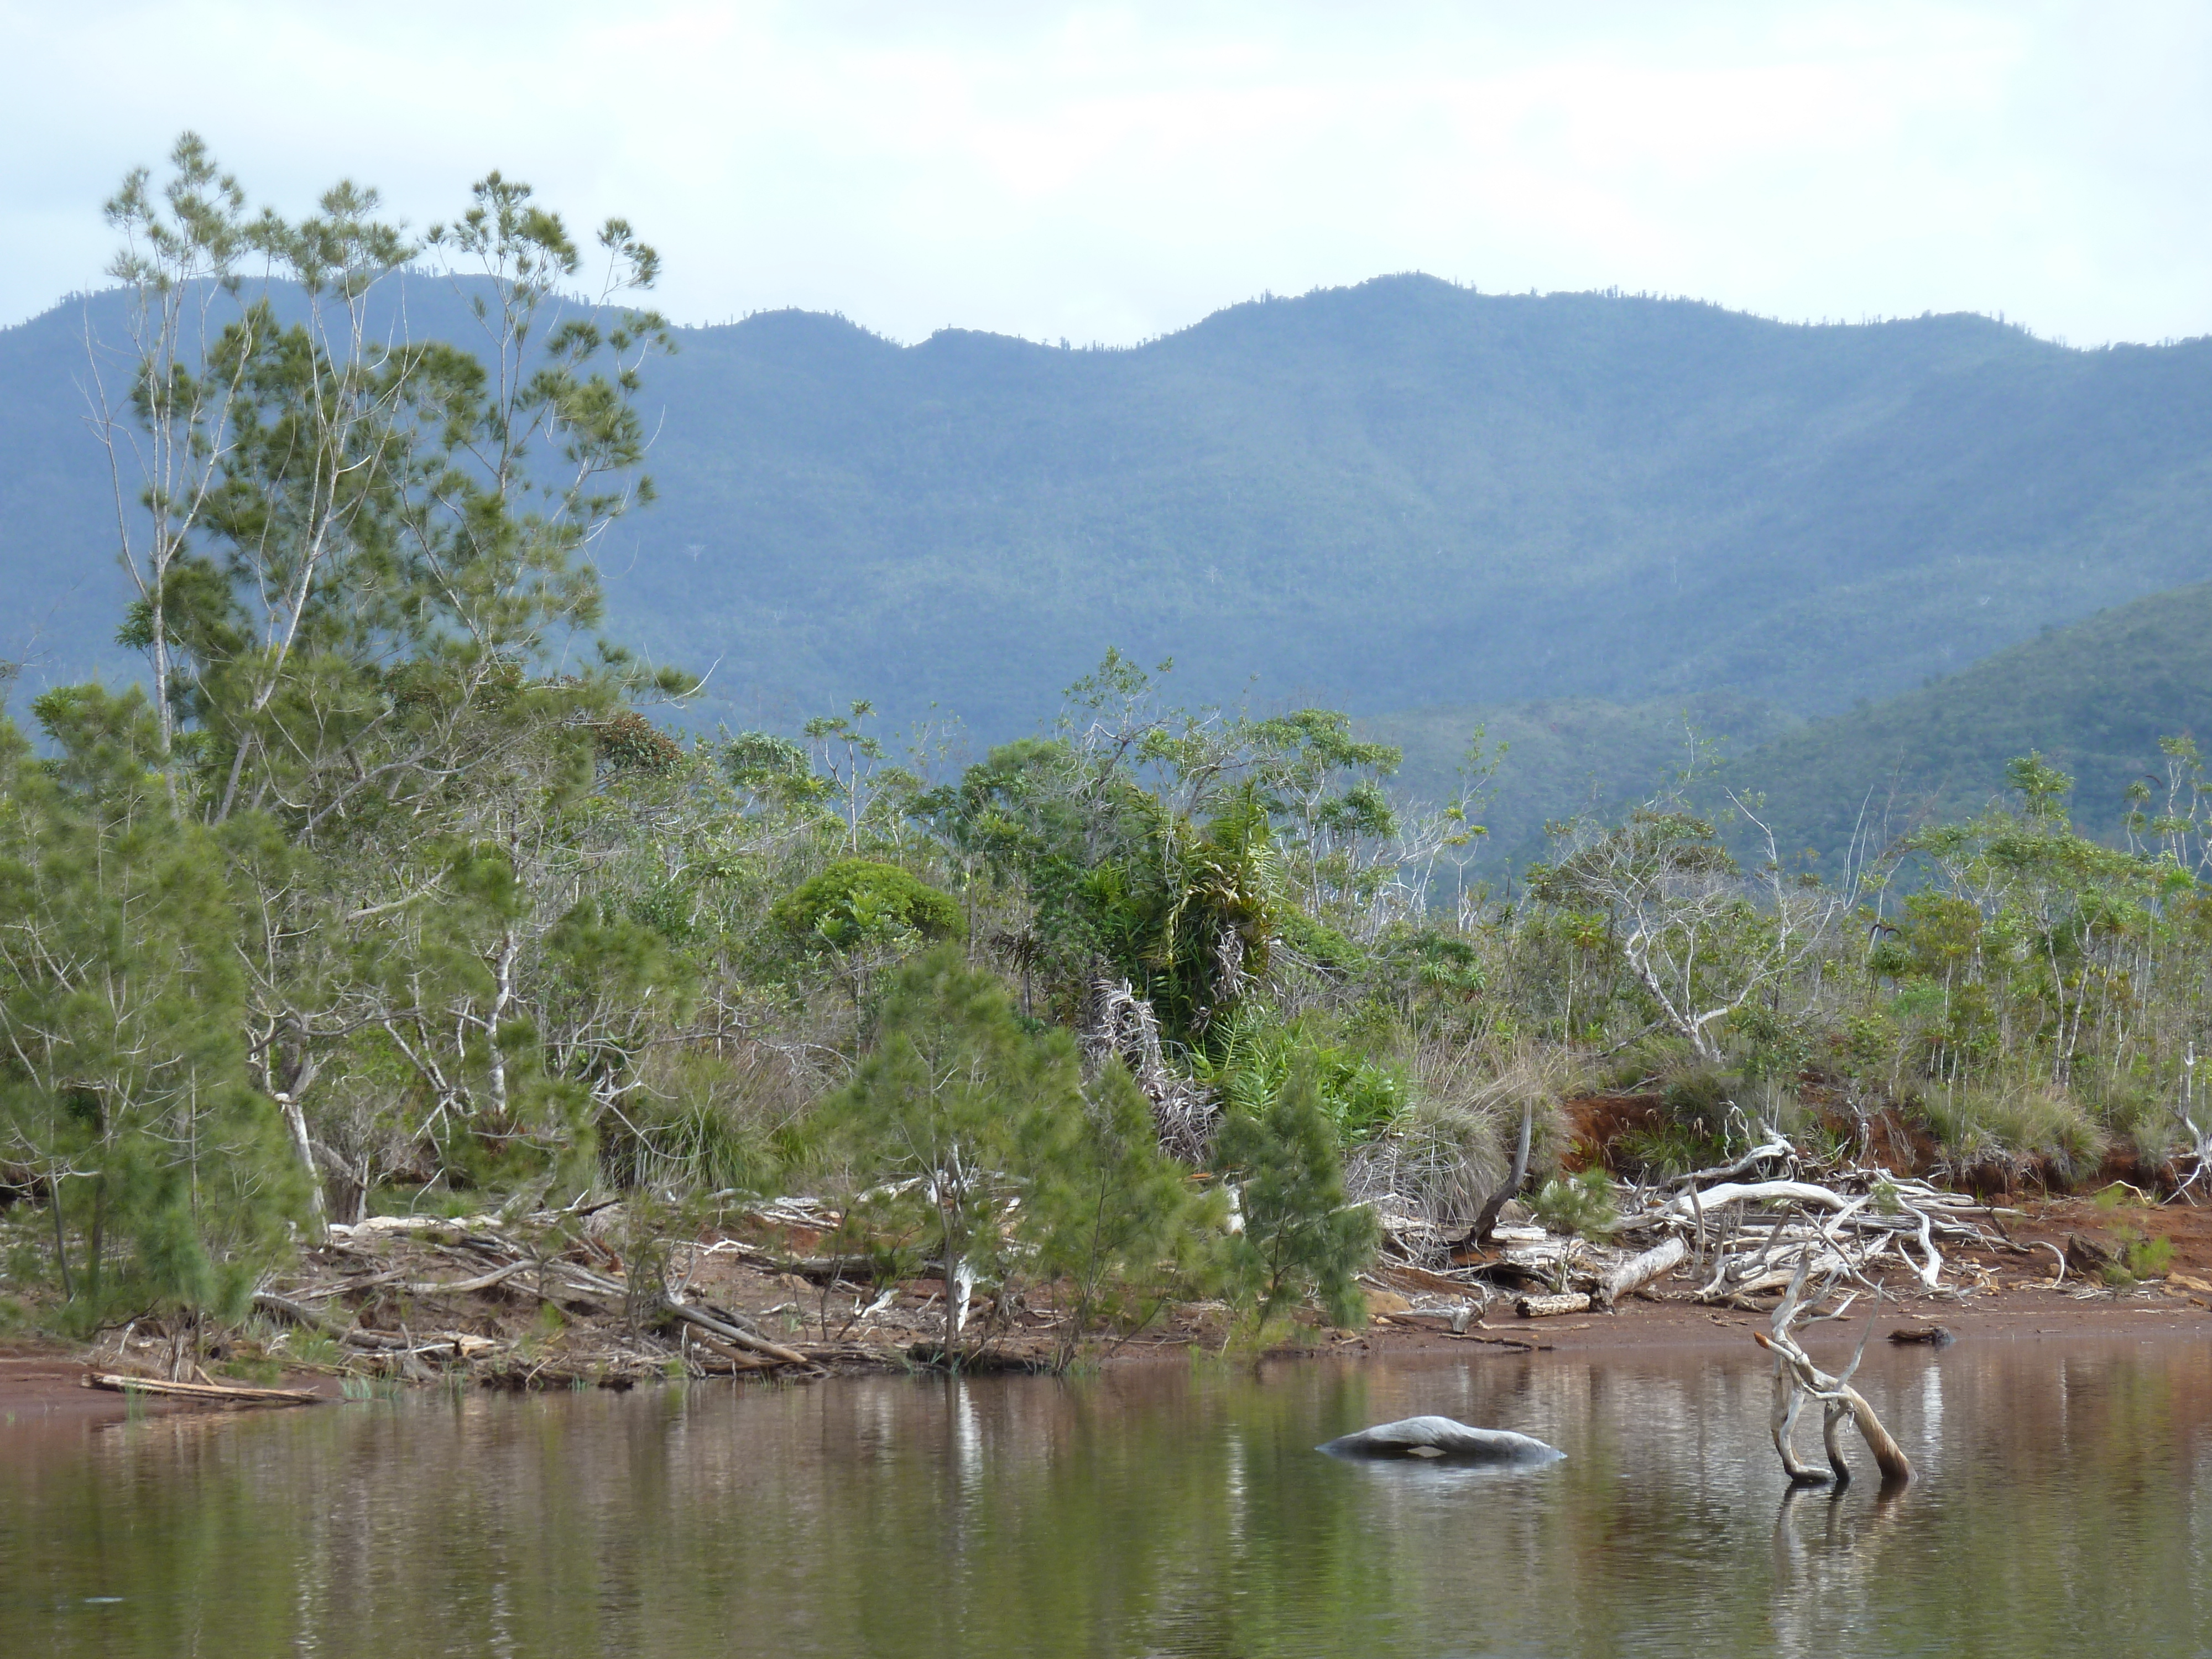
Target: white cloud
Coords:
[(1112, 172)]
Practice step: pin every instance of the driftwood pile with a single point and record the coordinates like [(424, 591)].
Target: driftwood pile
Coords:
[(1761, 1224), (407, 1297), (423, 1298), (1734, 1232), (1757, 1232)]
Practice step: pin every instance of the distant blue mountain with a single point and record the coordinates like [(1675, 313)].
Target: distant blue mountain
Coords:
[(1399, 494)]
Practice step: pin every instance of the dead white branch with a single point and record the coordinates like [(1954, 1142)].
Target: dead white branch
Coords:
[(1798, 1378)]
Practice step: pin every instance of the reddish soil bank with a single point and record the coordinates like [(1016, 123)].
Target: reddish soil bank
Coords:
[(1677, 1321)]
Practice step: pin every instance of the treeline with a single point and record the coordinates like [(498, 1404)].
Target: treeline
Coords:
[(394, 898)]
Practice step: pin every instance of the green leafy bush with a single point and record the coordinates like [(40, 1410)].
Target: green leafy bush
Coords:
[(974, 1112), (857, 900), (1112, 1217), (2148, 1258), (1256, 1052)]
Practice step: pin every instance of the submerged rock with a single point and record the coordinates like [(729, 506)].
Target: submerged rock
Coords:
[(1442, 1437)]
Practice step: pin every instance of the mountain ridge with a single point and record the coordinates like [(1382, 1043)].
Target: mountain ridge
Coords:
[(1392, 496)]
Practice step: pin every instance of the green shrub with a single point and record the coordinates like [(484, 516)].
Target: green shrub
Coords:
[(2148, 1258), (1110, 1217), (1645, 1061), (1695, 1108), (857, 900), (1301, 1235), (1582, 1204), (1360, 1095), (2135, 1111), (1700, 1098), (701, 1121), (1770, 1045), (2016, 1132), (961, 1108)]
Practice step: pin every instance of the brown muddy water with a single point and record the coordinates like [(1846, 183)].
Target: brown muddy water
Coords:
[(2064, 1506)]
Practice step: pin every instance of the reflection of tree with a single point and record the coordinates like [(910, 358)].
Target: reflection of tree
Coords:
[(1148, 1511), (1828, 1555)]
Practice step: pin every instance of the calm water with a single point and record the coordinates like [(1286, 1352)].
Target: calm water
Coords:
[(2064, 1507)]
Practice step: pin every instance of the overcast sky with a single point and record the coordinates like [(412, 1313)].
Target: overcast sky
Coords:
[(1108, 173)]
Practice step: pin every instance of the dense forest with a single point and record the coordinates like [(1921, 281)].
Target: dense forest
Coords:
[(401, 890), (1392, 497)]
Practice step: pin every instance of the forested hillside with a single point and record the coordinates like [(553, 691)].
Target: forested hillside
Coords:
[(2096, 699), (1393, 497), (1532, 764)]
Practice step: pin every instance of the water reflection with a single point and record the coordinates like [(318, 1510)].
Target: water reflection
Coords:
[(2066, 1505)]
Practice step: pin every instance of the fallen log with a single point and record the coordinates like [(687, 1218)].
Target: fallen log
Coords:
[(1550, 1307), (1756, 1192), (1935, 1336), (584, 1279), (1429, 1319), (745, 1340), (376, 1224), (826, 1269), (845, 1354), (736, 1359), (298, 1313), (1640, 1270), (1403, 1277), (1773, 1150), (462, 1287), (210, 1393), (464, 1344)]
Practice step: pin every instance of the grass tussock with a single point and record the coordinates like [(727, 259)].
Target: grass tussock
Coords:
[(2027, 1133)]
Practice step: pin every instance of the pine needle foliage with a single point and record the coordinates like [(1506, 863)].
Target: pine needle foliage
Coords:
[(124, 1083), (1301, 1235)]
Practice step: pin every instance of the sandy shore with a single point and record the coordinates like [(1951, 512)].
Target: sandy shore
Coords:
[(43, 1383)]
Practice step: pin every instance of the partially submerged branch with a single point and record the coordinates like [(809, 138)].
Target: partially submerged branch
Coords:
[(1797, 1379)]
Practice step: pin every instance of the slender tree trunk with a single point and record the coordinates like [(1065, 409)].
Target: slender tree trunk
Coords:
[(510, 948), (295, 1120), (61, 1239), (95, 1239), (297, 1068), (956, 1298), (1478, 1237)]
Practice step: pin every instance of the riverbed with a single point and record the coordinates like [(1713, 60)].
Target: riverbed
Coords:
[(2063, 1506)]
